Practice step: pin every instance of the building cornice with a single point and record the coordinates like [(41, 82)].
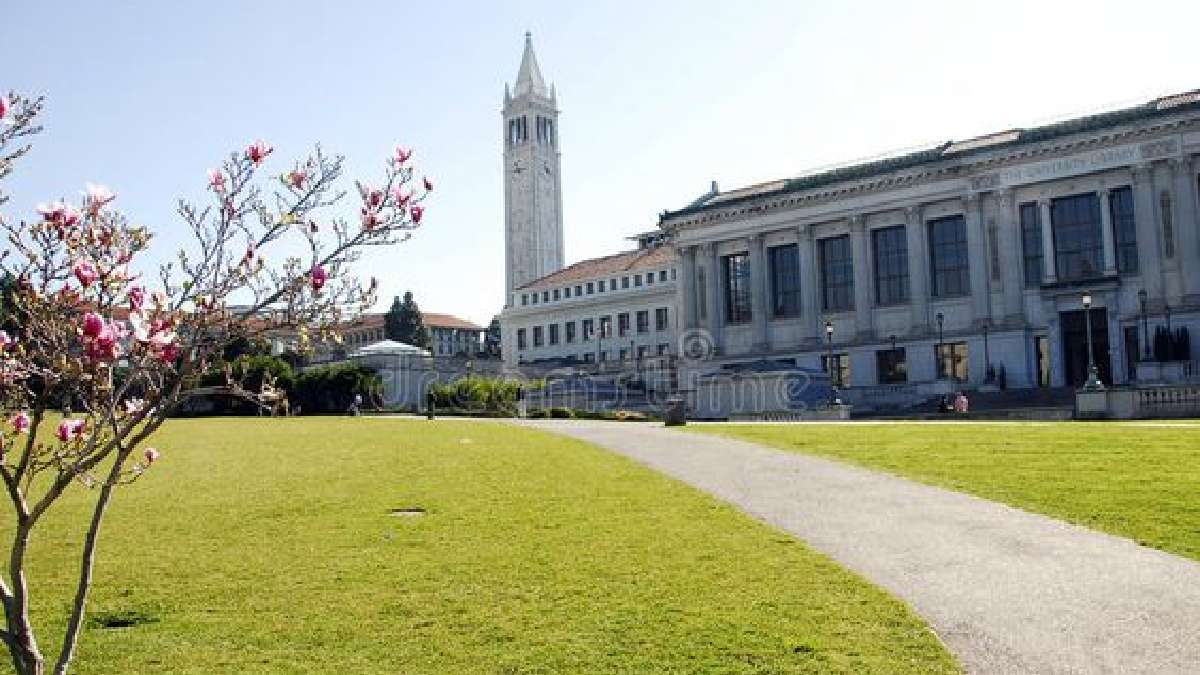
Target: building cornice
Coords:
[(963, 168)]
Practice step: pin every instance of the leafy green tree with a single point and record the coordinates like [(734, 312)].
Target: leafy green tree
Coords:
[(8, 315), (404, 323), (491, 339)]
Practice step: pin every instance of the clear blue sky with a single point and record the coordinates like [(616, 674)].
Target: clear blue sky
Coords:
[(657, 98)]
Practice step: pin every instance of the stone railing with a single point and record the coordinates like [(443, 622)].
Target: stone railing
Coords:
[(1141, 402)]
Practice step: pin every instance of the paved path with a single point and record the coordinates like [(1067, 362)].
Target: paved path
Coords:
[(1008, 591)]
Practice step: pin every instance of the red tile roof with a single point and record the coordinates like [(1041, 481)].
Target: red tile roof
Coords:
[(656, 257), (448, 321)]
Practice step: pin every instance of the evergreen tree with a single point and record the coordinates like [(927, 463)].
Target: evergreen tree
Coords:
[(404, 323), (491, 339), (8, 315)]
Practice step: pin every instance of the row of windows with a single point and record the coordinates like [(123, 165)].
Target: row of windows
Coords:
[(891, 365), (623, 354), (518, 130), (1077, 243), (1076, 226), (543, 335), (592, 287)]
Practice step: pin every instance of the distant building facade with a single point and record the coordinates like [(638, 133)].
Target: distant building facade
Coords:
[(965, 262), (619, 309)]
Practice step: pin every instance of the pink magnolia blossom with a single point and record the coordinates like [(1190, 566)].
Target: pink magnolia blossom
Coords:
[(151, 455), (93, 324), (137, 298), (257, 151), (216, 180), (20, 422), (296, 178), (418, 212), (85, 271), (428, 185), (400, 197), (402, 155), (168, 353), (6, 341), (58, 213), (69, 430), (3, 107), (134, 406), (319, 277), (370, 219), (97, 196)]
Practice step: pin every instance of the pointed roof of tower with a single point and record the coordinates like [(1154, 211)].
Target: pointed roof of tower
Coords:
[(529, 77)]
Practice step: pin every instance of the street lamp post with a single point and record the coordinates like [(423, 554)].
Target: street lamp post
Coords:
[(829, 360), (941, 320), (1093, 380), (987, 354), (1142, 298)]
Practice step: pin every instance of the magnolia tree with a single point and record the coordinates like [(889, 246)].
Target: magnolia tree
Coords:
[(118, 351)]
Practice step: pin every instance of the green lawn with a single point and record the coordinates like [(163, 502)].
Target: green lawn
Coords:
[(266, 546), (1139, 481)]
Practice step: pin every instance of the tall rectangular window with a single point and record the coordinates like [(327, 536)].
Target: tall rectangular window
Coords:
[(588, 328), (890, 245), (837, 273), (785, 280), (553, 333), (891, 366), (736, 269), (1124, 229), (660, 319), (948, 261), (570, 332), (839, 374), (1031, 244), (605, 327), (623, 324), (520, 338), (702, 294), (643, 321), (951, 360), (1078, 245), (537, 336)]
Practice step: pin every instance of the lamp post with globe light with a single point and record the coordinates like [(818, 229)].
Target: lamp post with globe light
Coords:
[(1093, 379)]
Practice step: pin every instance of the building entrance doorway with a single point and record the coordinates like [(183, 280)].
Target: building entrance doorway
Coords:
[(1075, 351)]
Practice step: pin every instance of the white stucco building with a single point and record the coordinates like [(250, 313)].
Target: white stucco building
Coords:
[(965, 259)]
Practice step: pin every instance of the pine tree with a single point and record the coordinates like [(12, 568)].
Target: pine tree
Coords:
[(491, 339), (404, 323)]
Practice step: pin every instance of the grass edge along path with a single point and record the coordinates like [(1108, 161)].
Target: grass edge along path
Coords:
[(1135, 481), (267, 546)]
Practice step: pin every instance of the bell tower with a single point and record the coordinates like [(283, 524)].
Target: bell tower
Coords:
[(533, 231)]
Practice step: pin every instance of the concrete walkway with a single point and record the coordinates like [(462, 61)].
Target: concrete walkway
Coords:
[(1008, 591)]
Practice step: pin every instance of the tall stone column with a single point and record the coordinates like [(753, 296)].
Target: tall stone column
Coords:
[(1106, 233), (758, 293), (918, 269), (712, 278), (1150, 249), (1011, 257), (860, 249), (810, 297), (1049, 263), (981, 293), (686, 290), (1184, 187)]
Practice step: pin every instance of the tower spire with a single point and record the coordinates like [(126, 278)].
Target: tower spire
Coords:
[(529, 77)]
